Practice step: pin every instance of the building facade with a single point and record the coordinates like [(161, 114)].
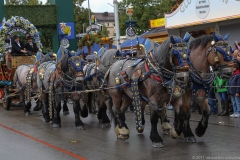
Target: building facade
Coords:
[(106, 19), (204, 17)]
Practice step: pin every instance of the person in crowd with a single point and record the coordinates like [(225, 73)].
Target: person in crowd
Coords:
[(18, 46), (212, 102), (237, 45), (235, 81), (31, 46), (8, 41), (220, 88)]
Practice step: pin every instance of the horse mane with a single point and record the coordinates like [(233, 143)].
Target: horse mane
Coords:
[(162, 54), (200, 41), (45, 58), (64, 62), (107, 59)]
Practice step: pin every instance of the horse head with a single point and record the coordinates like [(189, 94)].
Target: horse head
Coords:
[(180, 51), (221, 55), (212, 50), (70, 64)]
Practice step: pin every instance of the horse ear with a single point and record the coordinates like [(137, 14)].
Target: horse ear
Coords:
[(226, 37), (118, 54), (187, 37), (172, 40)]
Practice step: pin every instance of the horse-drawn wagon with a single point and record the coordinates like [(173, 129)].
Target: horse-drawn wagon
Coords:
[(10, 62)]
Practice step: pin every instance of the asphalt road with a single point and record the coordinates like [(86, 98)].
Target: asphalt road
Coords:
[(29, 138)]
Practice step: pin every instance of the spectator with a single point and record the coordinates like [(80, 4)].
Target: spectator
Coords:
[(235, 91), (212, 102), (237, 45), (220, 88)]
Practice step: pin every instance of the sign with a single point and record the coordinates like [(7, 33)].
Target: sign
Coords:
[(155, 23), (202, 8), (129, 10), (197, 12), (67, 29), (14, 30), (80, 35), (95, 28), (65, 43), (130, 33)]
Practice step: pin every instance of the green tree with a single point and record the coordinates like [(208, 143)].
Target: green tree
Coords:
[(143, 11)]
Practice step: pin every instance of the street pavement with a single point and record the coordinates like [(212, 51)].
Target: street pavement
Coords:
[(29, 138)]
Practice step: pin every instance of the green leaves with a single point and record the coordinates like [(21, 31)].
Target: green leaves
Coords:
[(143, 11), (36, 14)]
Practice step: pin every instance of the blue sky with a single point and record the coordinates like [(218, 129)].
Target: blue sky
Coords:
[(97, 5)]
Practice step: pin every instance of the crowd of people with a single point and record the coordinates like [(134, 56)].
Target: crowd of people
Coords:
[(225, 91), (18, 47)]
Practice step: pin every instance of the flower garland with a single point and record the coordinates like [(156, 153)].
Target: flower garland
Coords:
[(18, 23)]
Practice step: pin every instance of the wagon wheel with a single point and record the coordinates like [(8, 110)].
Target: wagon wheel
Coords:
[(6, 101)]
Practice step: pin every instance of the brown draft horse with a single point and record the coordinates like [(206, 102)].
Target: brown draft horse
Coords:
[(206, 51)]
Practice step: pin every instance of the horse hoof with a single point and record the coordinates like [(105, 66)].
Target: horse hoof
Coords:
[(56, 125), (80, 128), (65, 112), (173, 133), (166, 132), (36, 109), (106, 125), (120, 136), (46, 120), (190, 139), (27, 113), (158, 144)]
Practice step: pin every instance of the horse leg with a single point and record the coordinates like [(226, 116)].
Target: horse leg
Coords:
[(45, 111), (56, 115), (77, 109), (121, 129), (203, 124), (103, 112), (154, 135), (185, 114), (38, 106), (164, 121), (65, 108), (178, 119), (26, 107)]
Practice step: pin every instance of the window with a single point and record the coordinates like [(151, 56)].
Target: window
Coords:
[(108, 24)]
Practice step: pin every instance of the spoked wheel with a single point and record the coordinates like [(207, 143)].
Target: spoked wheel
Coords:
[(6, 100)]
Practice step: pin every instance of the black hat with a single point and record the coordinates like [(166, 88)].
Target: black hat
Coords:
[(15, 36), (29, 37)]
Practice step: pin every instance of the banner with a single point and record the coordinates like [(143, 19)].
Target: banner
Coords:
[(68, 29)]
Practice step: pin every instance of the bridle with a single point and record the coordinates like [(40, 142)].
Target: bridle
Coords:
[(223, 48)]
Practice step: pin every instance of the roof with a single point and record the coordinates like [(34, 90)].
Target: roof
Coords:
[(105, 16), (95, 47), (161, 31)]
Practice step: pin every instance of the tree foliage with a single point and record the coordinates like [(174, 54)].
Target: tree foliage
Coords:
[(143, 11)]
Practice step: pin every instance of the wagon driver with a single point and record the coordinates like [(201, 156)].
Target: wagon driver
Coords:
[(31, 46), (18, 46)]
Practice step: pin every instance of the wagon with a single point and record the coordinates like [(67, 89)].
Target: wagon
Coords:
[(8, 66)]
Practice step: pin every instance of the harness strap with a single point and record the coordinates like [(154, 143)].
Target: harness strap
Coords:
[(151, 75)]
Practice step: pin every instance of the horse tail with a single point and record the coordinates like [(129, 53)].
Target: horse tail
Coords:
[(112, 116)]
